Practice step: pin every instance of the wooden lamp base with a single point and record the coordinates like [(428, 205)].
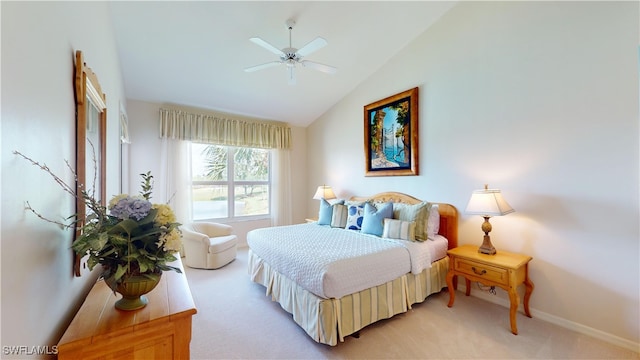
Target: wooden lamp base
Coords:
[(487, 247)]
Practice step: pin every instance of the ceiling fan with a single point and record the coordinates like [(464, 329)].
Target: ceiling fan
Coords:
[(291, 56)]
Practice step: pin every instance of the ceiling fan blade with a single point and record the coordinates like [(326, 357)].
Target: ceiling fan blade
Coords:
[(320, 67), (267, 46), (262, 66), (314, 45), (291, 75)]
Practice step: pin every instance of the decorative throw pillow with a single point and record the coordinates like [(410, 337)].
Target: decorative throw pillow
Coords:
[(433, 223), (372, 221), (339, 217), (326, 212), (418, 213), (354, 216), (398, 229)]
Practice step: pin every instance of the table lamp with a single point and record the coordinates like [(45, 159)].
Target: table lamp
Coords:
[(324, 192), (487, 203)]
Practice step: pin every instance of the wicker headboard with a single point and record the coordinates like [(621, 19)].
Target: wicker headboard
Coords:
[(448, 212)]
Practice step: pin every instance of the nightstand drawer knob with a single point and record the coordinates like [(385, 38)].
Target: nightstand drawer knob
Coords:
[(478, 272)]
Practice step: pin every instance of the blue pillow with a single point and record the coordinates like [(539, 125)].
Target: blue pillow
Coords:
[(326, 212), (373, 220)]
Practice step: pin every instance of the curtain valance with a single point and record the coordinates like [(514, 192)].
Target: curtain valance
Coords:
[(212, 129)]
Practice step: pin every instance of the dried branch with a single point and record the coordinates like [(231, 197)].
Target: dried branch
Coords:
[(63, 225), (68, 189)]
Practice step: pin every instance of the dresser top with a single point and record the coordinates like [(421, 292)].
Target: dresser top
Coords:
[(98, 316)]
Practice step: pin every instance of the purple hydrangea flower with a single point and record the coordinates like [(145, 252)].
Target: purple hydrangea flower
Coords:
[(131, 208)]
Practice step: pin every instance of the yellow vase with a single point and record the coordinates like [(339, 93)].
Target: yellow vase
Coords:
[(133, 288)]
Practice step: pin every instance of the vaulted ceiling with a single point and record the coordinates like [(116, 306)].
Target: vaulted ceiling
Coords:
[(194, 53)]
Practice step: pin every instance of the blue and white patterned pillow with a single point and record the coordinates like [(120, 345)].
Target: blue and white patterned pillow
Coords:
[(355, 215)]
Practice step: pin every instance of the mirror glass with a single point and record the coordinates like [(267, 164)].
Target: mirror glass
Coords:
[(92, 173)]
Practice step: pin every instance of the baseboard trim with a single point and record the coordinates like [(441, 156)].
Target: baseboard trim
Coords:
[(556, 320)]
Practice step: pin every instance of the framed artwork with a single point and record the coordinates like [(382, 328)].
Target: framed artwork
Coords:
[(391, 135)]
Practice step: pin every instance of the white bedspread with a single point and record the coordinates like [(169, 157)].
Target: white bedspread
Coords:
[(334, 262)]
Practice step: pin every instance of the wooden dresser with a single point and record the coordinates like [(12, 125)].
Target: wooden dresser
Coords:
[(160, 330)]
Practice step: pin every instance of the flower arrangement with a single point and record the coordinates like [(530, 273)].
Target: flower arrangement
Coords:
[(136, 237), (129, 237)]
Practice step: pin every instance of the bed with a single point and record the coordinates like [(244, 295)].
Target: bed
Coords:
[(336, 281)]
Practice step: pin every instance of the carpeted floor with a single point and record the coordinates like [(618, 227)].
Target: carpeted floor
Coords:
[(236, 320)]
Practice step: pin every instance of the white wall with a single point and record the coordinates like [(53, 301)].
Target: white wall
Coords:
[(146, 146), (39, 39), (539, 99)]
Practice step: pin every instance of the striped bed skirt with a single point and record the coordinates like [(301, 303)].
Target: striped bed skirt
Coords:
[(328, 321)]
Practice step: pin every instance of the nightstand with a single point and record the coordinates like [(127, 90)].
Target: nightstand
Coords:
[(505, 270)]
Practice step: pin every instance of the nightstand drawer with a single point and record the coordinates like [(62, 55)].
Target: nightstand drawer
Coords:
[(491, 273)]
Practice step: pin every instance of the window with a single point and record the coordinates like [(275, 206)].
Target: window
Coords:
[(230, 182)]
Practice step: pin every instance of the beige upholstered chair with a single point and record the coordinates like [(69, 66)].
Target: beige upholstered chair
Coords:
[(208, 245)]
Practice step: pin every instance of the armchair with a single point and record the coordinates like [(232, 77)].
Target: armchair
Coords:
[(208, 245)]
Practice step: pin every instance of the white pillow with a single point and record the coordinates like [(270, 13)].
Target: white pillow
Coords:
[(433, 223)]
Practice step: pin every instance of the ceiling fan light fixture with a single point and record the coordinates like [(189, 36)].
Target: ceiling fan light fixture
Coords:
[(291, 56)]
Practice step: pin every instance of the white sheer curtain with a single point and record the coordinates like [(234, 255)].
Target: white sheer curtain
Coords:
[(175, 170), (281, 213)]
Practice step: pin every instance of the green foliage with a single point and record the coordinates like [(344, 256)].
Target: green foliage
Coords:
[(147, 185), (248, 163), (216, 162), (402, 118), (135, 237), (127, 242)]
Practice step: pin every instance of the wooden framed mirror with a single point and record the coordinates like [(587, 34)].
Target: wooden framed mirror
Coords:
[(91, 145)]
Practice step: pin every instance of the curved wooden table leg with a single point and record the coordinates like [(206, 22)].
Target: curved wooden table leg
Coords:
[(467, 283), (515, 301), (452, 291), (527, 294)]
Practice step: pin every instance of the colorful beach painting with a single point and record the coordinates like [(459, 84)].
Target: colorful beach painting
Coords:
[(391, 129)]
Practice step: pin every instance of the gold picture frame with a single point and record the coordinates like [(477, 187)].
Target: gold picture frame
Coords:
[(391, 135), (91, 142)]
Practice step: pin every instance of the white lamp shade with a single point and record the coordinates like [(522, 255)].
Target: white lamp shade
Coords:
[(324, 192), (488, 202)]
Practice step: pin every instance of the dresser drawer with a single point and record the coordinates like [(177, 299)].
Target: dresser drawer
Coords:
[(491, 273)]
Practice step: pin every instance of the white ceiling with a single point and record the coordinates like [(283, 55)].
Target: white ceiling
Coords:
[(194, 53)]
